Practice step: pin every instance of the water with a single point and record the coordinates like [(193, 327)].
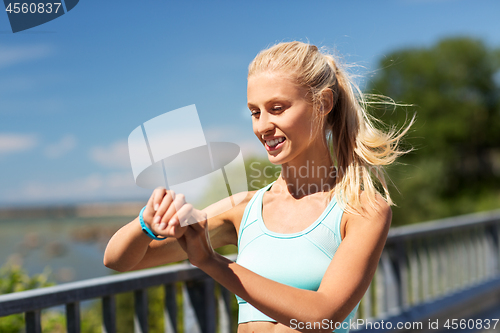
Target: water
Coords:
[(71, 247)]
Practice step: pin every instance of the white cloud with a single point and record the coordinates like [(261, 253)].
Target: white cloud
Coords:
[(12, 55), (66, 144), (12, 142), (114, 156)]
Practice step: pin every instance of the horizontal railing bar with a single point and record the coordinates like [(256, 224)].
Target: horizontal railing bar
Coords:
[(95, 288), (443, 225)]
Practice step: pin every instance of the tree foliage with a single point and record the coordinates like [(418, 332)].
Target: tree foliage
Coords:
[(14, 279), (454, 87)]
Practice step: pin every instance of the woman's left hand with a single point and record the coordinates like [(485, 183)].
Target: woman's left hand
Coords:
[(196, 240)]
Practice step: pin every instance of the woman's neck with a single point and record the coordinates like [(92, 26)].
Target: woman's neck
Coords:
[(309, 176)]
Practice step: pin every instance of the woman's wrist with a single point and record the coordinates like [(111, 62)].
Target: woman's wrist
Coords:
[(146, 228)]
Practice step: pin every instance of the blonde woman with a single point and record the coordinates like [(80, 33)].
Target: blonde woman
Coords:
[(308, 243)]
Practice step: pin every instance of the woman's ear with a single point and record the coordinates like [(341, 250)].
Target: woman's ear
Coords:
[(327, 101)]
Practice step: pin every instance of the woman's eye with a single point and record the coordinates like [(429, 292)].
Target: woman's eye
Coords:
[(255, 113), (277, 108)]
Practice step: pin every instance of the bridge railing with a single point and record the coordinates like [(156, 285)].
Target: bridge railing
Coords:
[(428, 270), (435, 270), (198, 291)]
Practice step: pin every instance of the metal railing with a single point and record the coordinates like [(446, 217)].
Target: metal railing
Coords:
[(428, 270), (442, 269), (197, 286)]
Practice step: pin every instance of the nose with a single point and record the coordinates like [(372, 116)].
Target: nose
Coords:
[(264, 124)]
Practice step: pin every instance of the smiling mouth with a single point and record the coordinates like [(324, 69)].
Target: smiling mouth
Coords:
[(275, 143)]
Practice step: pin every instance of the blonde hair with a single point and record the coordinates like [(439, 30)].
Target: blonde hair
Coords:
[(357, 148)]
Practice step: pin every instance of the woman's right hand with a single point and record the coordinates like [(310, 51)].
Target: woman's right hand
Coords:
[(167, 214)]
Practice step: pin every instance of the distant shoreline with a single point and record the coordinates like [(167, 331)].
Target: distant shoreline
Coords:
[(80, 210)]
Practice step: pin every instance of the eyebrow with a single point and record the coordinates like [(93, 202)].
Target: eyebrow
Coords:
[(272, 100)]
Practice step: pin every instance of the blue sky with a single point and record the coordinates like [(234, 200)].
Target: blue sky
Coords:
[(73, 89)]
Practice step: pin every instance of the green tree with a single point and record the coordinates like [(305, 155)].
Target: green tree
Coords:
[(454, 87)]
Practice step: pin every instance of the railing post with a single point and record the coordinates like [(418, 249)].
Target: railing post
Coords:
[(202, 297), (391, 288), (109, 314), (479, 255), (434, 266), (170, 309), (73, 317), (471, 263), (454, 255), (444, 265), (483, 244), (141, 311), (494, 231), (423, 260), (402, 275), (33, 322), (491, 262), (464, 259), (414, 274)]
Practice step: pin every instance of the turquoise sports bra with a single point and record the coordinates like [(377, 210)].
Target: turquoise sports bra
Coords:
[(299, 260)]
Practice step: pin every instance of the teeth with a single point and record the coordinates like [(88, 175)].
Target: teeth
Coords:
[(274, 142)]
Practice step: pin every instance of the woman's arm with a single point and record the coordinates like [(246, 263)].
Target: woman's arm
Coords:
[(130, 249), (344, 283)]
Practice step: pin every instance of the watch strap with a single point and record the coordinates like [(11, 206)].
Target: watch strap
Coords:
[(145, 227)]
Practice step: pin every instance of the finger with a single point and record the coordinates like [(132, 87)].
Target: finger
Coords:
[(176, 230), (182, 215), (149, 212), (158, 195), (174, 207), (164, 206)]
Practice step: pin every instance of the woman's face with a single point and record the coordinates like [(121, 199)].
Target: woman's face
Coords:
[(281, 117)]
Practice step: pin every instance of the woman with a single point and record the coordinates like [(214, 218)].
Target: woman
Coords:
[(308, 243)]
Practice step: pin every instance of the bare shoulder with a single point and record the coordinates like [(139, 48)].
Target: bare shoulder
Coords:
[(230, 207), (375, 218), (224, 217)]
